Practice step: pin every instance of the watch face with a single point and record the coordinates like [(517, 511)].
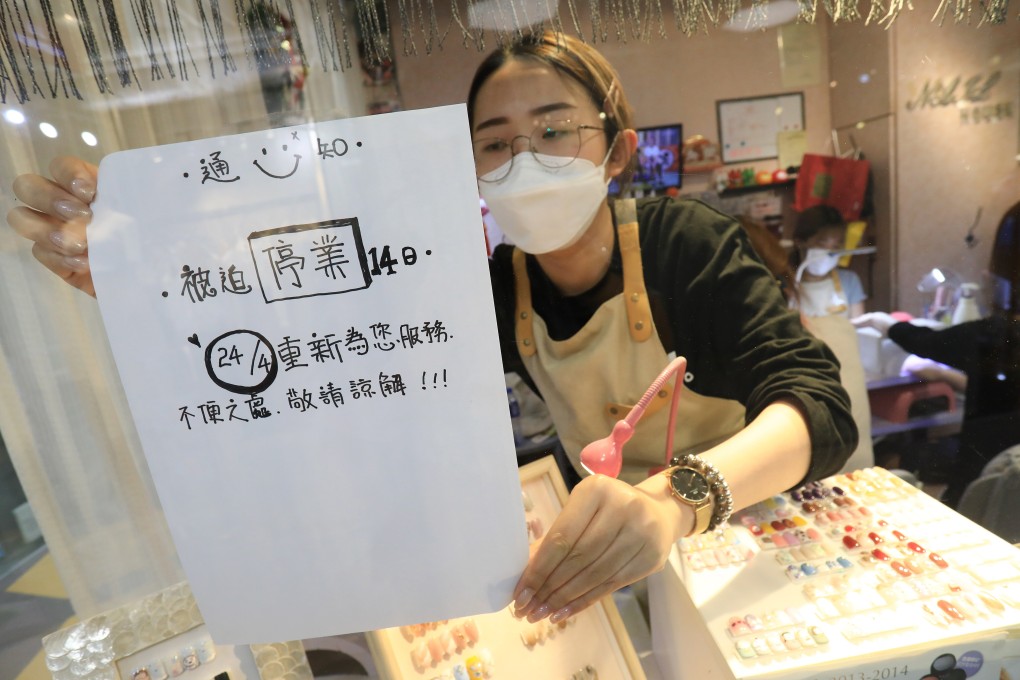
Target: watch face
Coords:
[(689, 484)]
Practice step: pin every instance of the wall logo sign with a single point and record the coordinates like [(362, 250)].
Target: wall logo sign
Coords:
[(973, 96)]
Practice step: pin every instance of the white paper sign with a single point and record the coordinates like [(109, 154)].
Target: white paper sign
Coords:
[(303, 323)]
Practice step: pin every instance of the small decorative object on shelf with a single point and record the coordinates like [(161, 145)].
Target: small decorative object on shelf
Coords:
[(700, 154)]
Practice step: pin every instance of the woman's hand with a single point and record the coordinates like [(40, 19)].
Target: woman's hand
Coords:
[(608, 535), (54, 216), (880, 321)]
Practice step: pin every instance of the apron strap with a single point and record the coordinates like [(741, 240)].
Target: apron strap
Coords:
[(616, 411), (639, 311), (522, 285), (838, 286)]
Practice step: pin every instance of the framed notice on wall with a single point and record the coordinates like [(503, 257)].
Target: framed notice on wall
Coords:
[(748, 127)]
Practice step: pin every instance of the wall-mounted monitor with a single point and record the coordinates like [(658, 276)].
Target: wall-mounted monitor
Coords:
[(659, 164)]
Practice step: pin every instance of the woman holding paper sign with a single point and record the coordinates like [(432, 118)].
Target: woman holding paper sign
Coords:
[(590, 308), (550, 127)]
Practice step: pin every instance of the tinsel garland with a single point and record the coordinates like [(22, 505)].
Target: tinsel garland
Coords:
[(34, 63)]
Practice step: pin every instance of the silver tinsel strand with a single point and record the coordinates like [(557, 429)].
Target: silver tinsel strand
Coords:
[(32, 42)]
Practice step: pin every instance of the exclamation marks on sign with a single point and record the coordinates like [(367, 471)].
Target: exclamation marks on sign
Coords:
[(435, 380)]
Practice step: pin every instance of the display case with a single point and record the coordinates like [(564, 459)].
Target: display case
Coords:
[(861, 576), (163, 636), (591, 644)]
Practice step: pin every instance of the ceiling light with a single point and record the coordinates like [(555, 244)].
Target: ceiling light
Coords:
[(496, 16), (48, 130), (89, 138), (755, 18), (14, 117)]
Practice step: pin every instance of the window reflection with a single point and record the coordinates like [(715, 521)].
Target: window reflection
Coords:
[(934, 109)]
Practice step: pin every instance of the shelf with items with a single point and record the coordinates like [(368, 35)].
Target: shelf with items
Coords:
[(752, 188)]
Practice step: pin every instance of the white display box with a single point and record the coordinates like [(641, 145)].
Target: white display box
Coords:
[(591, 645), (163, 637), (896, 585)]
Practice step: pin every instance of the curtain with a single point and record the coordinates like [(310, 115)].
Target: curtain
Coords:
[(63, 413)]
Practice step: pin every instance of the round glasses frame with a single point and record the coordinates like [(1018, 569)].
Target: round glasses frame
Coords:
[(553, 144)]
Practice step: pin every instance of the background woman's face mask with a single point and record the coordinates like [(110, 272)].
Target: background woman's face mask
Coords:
[(818, 262), (543, 209)]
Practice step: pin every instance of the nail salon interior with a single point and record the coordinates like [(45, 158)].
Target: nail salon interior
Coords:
[(898, 121)]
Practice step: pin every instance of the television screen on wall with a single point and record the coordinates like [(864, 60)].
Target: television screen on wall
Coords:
[(659, 163)]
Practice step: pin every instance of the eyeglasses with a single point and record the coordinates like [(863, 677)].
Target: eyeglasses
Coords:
[(553, 143)]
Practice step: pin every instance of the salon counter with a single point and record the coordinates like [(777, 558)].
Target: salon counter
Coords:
[(887, 583)]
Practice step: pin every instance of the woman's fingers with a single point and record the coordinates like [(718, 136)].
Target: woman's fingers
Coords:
[(50, 198), (58, 244), (599, 543), (76, 176), (594, 595), (557, 543), (609, 535), (621, 559), (54, 214), (65, 237), (67, 196), (600, 550), (72, 269), (607, 528)]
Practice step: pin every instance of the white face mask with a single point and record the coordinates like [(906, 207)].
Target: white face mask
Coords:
[(818, 262), (542, 209)]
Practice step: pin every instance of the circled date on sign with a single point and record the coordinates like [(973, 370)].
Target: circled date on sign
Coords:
[(241, 361)]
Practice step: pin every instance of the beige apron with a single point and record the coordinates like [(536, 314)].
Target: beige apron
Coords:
[(616, 355), (825, 297), (836, 331)]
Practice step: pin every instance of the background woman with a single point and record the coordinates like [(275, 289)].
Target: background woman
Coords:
[(987, 350), (824, 287)]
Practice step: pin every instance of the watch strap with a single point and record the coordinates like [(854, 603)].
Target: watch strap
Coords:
[(702, 518)]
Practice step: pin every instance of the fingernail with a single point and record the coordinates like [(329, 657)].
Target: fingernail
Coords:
[(83, 189), (521, 612), (523, 598), (539, 614), (71, 209), (78, 264), (67, 244), (560, 615)]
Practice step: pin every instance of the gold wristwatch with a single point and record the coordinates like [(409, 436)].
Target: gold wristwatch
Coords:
[(691, 487), (697, 483)]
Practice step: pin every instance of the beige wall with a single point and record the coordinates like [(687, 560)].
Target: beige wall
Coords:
[(861, 90), (931, 171), (948, 169), (670, 80)]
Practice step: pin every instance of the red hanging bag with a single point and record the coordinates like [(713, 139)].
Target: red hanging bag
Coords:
[(829, 180)]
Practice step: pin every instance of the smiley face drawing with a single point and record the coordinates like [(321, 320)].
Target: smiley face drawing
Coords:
[(297, 161)]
